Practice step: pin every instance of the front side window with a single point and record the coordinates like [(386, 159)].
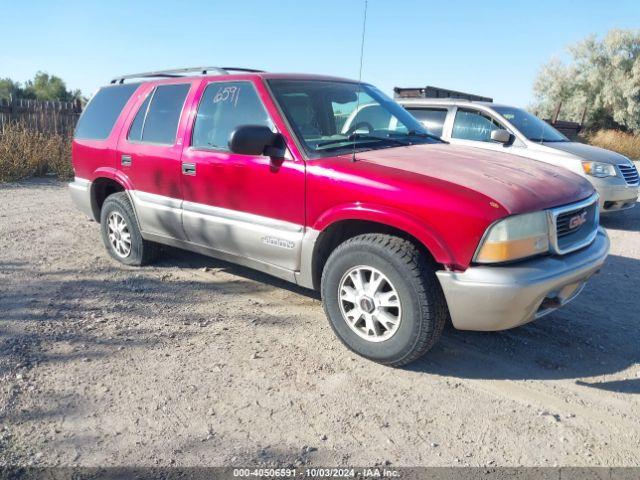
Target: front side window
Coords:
[(332, 117), (103, 110), (158, 116), (223, 108), (473, 125), (432, 118), (531, 126)]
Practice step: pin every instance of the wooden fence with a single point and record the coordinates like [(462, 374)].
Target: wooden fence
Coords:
[(42, 116)]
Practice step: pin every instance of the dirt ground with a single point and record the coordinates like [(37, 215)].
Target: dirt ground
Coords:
[(194, 361)]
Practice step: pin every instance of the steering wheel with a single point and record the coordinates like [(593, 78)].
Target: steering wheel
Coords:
[(360, 126)]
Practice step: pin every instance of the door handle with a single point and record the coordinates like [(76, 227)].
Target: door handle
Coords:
[(125, 160), (188, 168)]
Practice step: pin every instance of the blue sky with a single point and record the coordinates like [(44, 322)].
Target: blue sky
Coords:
[(492, 48)]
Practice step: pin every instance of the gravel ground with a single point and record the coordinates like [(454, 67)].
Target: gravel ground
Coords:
[(194, 361)]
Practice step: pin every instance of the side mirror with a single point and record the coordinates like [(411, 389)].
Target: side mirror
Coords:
[(500, 136), (256, 140)]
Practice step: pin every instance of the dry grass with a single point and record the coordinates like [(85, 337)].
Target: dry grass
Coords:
[(26, 153), (625, 143)]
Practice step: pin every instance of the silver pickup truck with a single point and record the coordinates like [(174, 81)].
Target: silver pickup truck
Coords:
[(503, 128)]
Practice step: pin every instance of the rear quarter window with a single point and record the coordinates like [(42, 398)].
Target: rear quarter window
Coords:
[(101, 113)]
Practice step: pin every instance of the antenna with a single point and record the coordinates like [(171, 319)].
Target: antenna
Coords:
[(364, 30)]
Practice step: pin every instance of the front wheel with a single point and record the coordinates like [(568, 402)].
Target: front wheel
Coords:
[(382, 298)]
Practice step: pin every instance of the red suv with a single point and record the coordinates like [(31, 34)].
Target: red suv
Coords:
[(330, 184)]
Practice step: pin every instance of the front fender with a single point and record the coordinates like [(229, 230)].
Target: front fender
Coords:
[(393, 218)]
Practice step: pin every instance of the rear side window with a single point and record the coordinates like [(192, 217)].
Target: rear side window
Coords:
[(103, 110), (473, 125), (158, 116), (224, 107), (432, 118)]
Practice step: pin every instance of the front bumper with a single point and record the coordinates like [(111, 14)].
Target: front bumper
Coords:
[(497, 298), (614, 197)]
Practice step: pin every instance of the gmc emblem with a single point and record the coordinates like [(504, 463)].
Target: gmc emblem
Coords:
[(577, 220)]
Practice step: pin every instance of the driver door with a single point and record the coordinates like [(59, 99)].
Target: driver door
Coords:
[(247, 206)]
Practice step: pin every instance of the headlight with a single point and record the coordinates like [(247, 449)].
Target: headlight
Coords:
[(514, 238), (600, 170)]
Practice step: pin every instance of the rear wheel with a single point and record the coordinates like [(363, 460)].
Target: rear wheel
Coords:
[(120, 233), (382, 298)]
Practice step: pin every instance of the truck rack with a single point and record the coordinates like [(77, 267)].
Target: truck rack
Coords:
[(180, 72), (436, 92)]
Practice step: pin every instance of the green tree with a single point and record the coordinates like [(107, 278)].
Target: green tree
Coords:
[(602, 75), (9, 88), (48, 87)]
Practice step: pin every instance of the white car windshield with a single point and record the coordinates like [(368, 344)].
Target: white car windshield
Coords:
[(333, 117), (531, 126)]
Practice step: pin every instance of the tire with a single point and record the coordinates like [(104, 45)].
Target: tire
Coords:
[(117, 208), (421, 310)]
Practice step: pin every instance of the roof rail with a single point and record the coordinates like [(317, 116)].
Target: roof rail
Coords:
[(435, 92), (179, 72)]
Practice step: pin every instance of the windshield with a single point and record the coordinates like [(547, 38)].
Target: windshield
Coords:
[(531, 126), (332, 117)]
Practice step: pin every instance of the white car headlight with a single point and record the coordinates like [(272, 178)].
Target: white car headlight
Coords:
[(515, 237), (600, 170)]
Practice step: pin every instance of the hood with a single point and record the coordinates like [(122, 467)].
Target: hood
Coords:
[(519, 184), (589, 152)]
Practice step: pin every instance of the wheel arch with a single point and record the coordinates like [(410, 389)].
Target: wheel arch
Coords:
[(106, 182), (331, 231)]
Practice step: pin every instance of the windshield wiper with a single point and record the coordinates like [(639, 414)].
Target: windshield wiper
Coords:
[(424, 135), (367, 136), (550, 140), (361, 136)]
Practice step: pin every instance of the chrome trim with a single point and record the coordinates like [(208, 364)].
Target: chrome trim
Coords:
[(188, 168), (628, 172), (554, 213)]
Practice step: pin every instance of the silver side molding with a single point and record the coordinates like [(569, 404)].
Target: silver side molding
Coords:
[(304, 276), (268, 240), (158, 215), (231, 232), (80, 191)]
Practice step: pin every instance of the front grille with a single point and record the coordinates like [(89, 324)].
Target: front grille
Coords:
[(574, 226), (630, 174), (566, 223)]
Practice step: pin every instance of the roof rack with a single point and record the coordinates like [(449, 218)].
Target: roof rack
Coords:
[(435, 92), (179, 72)]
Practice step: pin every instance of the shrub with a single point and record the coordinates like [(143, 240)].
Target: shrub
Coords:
[(621, 142), (26, 153)]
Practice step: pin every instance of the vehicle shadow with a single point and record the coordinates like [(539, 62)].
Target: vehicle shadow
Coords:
[(595, 335), (175, 257), (627, 220)]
